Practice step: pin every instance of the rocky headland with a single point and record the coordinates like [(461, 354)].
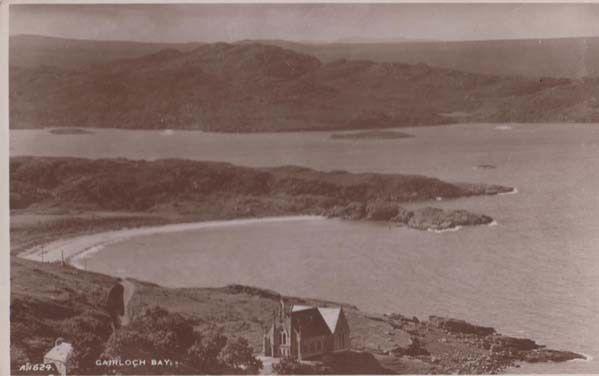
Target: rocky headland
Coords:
[(427, 218)]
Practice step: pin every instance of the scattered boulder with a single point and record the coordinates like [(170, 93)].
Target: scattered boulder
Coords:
[(415, 348), (460, 326)]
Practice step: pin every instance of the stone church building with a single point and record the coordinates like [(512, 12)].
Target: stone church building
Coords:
[(304, 332)]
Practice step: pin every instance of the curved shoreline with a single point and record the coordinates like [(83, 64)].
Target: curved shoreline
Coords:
[(76, 249), (72, 250)]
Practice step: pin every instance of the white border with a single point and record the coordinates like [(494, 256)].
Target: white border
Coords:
[(4, 190), (4, 134)]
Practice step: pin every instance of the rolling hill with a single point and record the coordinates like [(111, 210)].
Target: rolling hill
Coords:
[(557, 58), (30, 51), (249, 87)]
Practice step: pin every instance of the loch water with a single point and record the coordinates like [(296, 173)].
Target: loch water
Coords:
[(534, 274)]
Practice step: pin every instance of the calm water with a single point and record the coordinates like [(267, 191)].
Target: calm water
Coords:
[(535, 274)]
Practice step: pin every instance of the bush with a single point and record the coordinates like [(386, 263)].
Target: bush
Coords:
[(291, 366), (238, 356), (157, 333), (87, 333), (203, 355)]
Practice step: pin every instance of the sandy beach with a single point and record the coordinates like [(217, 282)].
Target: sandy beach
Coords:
[(75, 250)]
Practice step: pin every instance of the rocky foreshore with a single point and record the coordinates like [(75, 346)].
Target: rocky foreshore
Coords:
[(469, 348), (488, 351), (426, 218)]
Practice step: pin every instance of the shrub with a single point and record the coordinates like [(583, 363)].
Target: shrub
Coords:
[(157, 333), (291, 366), (87, 333), (238, 356)]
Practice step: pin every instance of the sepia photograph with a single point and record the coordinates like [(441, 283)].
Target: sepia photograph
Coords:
[(303, 188)]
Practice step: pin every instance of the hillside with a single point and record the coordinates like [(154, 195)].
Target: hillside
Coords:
[(557, 58), (535, 58), (213, 190), (250, 87), (30, 51)]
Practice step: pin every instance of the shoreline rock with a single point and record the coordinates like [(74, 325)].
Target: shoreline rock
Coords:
[(451, 345)]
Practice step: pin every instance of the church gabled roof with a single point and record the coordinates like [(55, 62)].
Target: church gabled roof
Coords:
[(298, 307), (331, 317), (316, 320)]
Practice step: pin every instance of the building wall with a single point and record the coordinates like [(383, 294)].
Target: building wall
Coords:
[(342, 334), (280, 340), (341, 340), (314, 346)]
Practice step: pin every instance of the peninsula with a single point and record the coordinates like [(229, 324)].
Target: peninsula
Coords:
[(193, 191)]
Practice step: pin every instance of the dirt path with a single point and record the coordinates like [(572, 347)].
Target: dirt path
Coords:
[(129, 290)]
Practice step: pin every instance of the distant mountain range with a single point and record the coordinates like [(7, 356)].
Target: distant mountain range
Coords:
[(252, 86), (557, 58)]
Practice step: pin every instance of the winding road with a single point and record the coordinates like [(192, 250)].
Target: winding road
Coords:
[(129, 290)]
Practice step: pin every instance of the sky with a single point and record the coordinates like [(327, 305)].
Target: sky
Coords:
[(306, 22)]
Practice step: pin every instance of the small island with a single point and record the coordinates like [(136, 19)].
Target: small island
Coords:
[(485, 166), (371, 135), (70, 131)]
